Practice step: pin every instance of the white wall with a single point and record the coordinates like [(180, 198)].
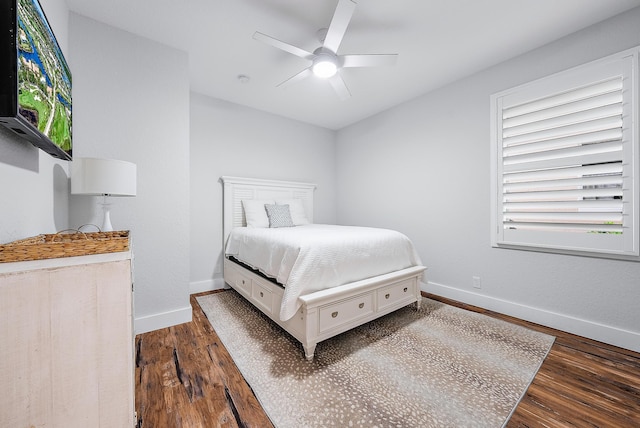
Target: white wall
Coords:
[(131, 102), (229, 139), (426, 164), (34, 191)]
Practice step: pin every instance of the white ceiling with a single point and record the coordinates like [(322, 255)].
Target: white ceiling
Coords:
[(438, 41)]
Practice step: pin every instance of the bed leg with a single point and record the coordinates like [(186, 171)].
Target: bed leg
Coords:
[(309, 350)]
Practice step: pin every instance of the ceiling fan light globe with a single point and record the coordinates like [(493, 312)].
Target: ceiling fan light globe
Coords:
[(324, 68)]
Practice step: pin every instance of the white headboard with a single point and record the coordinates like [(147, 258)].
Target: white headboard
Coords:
[(235, 189)]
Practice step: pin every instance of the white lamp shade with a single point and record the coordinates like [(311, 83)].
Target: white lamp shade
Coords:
[(92, 176)]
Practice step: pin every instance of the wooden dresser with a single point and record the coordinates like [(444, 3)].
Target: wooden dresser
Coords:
[(66, 342)]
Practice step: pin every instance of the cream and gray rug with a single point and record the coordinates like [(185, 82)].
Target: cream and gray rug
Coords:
[(438, 367)]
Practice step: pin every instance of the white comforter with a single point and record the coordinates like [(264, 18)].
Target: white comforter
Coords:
[(317, 256)]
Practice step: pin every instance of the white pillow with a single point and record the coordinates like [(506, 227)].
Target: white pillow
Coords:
[(296, 208), (255, 213)]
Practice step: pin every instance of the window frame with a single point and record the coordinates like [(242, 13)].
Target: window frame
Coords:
[(549, 86)]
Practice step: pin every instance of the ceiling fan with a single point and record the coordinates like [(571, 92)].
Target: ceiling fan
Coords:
[(325, 62)]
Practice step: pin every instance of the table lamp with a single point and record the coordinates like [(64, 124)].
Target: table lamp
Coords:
[(103, 177)]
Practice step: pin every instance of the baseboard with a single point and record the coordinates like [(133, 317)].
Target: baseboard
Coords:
[(162, 320), (207, 285), (178, 316), (600, 332)]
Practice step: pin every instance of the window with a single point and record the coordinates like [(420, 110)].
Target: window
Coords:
[(565, 161)]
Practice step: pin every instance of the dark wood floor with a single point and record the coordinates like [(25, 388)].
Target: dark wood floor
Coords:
[(186, 378)]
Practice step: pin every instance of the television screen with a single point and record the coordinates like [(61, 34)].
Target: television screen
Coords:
[(35, 100)]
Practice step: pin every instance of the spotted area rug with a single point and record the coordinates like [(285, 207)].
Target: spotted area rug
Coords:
[(439, 366)]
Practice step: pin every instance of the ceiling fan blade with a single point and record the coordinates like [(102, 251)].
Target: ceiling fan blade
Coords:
[(372, 60), (283, 46), (340, 87), (296, 78), (339, 23)]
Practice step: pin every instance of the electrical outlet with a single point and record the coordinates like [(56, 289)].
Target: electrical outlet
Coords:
[(476, 282)]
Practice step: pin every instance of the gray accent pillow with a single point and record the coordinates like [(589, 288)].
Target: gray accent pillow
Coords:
[(279, 215)]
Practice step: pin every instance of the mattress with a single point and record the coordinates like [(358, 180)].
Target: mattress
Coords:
[(314, 257)]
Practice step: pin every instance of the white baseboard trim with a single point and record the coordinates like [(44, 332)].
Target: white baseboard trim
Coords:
[(207, 285), (178, 316), (162, 320), (592, 330)]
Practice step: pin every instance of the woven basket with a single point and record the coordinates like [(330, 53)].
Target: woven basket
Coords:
[(57, 245)]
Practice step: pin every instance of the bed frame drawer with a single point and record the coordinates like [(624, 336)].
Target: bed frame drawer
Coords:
[(237, 279), (345, 311), (262, 295), (397, 294)]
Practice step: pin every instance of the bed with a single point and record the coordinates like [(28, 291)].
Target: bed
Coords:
[(307, 309)]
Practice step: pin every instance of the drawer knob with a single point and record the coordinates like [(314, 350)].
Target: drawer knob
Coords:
[(243, 282), (386, 296), (405, 289), (361, 305), (334, 314), (261, 294)]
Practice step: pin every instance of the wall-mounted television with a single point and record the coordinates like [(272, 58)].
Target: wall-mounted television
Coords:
[(35, 80)]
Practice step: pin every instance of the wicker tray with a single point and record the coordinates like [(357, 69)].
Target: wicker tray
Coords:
[(57, 245)]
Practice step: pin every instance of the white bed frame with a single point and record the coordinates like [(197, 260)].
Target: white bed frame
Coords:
[(325, 313)]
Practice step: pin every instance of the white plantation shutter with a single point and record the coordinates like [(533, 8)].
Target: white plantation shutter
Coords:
[(565, 160)]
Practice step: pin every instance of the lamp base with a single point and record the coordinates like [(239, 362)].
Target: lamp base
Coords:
[(106, 223)]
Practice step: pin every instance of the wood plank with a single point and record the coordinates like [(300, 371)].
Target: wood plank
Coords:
[(26, 351), (74, 346), (150, 406), (115, 343), (242, 401)]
